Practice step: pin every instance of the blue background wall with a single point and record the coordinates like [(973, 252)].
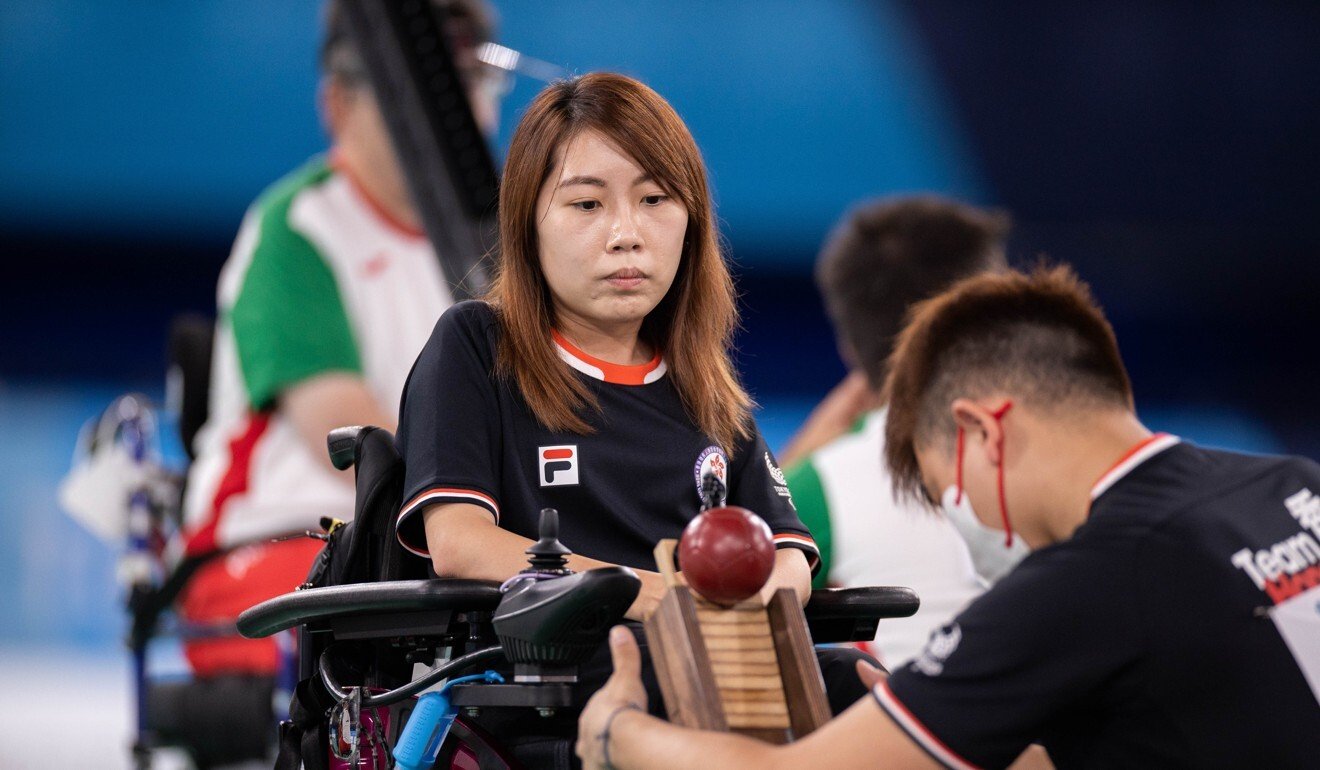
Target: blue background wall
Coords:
[(1167, 151)]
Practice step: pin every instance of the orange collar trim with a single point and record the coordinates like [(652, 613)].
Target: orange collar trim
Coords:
[(386, 218), (1138, 454), (618, 374)]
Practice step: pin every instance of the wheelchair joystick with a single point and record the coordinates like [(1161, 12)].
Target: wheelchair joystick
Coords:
[(548, 555), (551, 619)]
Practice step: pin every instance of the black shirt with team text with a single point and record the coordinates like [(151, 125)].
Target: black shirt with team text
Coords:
[(1148, 638)]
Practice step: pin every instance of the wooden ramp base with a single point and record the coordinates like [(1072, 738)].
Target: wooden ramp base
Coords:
[(749, 668)]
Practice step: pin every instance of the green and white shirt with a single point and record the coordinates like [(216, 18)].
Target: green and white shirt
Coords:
[(320, 280), (845, 496)]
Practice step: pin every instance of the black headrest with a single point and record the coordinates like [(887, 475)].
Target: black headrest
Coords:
[(379, 479), (369, 549), (189, 361)]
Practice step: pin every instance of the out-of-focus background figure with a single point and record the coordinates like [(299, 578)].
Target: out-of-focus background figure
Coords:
[(328, 295), (1167, 152), (883, 257), (330, 292)]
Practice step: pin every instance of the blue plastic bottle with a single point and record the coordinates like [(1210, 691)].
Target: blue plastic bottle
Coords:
[(419, 742)]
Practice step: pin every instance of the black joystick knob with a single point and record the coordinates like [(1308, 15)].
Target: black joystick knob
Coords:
[(713, 493), (548, 554)]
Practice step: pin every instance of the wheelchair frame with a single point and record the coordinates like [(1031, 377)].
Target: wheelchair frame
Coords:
[(394, 623)]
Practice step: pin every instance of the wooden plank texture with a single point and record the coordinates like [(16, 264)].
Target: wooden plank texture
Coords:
[(804, 687), (743, 668), (749, 669), (746, 668), (741, 644), (682, 664)]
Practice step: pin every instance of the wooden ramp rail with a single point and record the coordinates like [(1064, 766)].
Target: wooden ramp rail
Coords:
[(749, 668)]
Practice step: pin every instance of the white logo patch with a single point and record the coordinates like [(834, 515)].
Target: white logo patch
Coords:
[(941, 645), (559, 465), (712, 461), (781, 483), (1305, 507)]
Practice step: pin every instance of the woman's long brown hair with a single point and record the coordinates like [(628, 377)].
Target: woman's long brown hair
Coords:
[(692, 326)]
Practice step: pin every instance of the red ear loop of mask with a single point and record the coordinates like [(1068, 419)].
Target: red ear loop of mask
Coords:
[(998, 414)]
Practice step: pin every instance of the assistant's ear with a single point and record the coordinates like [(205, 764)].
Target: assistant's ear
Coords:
[(847, 353), (982, 430), (332, 99)]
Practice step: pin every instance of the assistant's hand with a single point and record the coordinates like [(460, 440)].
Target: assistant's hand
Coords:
[(622, 698), (870, 675)]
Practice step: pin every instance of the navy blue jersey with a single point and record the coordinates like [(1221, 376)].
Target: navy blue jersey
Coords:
[(467, 435), (1156, 636)]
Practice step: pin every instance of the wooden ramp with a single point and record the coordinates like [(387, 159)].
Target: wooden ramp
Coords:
[(750, 668)]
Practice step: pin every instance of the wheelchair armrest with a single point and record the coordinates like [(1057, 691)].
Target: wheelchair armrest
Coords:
[(315, 604), (851, 614)]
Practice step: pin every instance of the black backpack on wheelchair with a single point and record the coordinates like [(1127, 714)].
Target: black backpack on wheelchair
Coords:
[(370, 613)]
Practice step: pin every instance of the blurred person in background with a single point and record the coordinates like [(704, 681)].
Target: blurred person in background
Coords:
[(881, 259), (331, 290)]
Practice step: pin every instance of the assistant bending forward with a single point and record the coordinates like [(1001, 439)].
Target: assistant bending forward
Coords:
[(1165, 618)]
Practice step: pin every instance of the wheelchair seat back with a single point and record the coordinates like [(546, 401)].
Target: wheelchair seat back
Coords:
[(189, 380), (366, 550)]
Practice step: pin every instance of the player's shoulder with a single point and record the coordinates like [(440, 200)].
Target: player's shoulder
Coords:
[(1226, 484), (855, 459), (865, 439), (1061, 578), (1232, 467), (271, 233), (270, 251), (275, 201), (1254, 473), (471, 323), (1187, 482), (744, 448), (470, 315)]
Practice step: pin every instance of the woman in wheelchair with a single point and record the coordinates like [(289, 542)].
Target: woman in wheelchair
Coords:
[(595, 378)]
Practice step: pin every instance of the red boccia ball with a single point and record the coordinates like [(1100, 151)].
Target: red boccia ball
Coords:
[(726, 554)]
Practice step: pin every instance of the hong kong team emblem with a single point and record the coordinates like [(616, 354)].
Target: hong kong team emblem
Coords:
[(711, 460), (559, 465)]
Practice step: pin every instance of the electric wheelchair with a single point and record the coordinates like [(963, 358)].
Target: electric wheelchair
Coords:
[(371, 615)]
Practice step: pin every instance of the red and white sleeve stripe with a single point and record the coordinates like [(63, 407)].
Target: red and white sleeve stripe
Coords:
[(436, 495), (917, 731), (795, 540)]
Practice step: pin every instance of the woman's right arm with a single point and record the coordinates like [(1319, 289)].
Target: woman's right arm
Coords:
[(465, 542)]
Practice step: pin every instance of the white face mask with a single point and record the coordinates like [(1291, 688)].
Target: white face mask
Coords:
[(991, 558)]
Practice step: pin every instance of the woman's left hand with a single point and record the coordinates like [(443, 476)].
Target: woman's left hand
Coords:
[(613, 703)]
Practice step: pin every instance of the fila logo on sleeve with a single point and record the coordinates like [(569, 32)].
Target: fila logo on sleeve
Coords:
[(559, 465)]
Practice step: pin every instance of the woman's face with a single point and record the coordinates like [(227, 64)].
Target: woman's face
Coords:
[(610, 237)]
